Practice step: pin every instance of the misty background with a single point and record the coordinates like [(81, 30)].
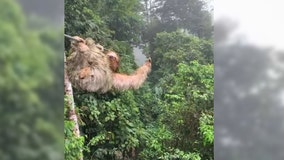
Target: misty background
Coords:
[(248, 101)]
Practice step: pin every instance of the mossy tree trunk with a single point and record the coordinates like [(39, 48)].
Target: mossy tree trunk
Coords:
[(68, 92)]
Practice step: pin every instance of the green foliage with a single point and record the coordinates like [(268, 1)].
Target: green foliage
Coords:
[(110, 122), (103, 20), (73, 145), (28, 128), (186, 95), (156, 146), (182, 129), (82, 19), (107, 123), (188, 14), (163, 122), (177, 154), (155, 138), (171, 116), (11, 13), (207, 128), (122, 17), (194, 81), (170, 49), (192, 16)]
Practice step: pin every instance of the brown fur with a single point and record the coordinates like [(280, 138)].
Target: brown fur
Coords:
[(134, 81), (91, 70), (113, 61), (86, 68)]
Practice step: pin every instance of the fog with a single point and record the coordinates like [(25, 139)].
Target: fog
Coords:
[(248, 74)]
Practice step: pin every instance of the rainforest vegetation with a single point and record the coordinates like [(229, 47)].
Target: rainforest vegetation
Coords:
[(171, 115)]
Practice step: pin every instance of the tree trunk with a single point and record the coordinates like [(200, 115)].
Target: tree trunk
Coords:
[(68, 91)]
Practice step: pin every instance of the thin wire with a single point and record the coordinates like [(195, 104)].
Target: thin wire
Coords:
[(70, 37)]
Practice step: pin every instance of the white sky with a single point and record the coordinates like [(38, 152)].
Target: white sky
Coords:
[(261, 21)]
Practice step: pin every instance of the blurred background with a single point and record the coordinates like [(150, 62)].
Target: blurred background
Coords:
[(31, 79), (248, 98)]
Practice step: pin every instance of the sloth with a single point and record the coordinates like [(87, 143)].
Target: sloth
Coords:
[(90, 69), (113, 60)]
